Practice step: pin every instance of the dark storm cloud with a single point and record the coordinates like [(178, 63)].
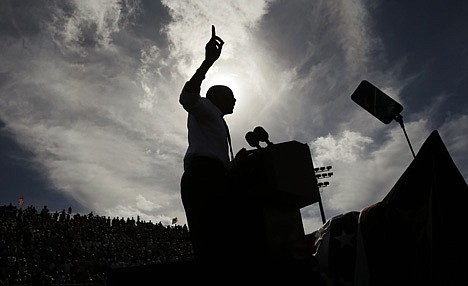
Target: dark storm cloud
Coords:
[(330, 46), (20, 19), (431, 40)]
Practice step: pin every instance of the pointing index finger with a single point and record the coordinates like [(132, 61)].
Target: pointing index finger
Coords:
[(213, 32)]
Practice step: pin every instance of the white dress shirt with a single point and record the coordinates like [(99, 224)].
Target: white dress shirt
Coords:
[(207, 133)]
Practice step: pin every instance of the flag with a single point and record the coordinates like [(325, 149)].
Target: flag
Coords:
[(336, 248), (20, 201), (174, 220), (408, 238)]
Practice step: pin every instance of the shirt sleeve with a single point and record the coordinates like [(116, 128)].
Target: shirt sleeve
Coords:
[(190, 96), (194, 84), (194, 104)]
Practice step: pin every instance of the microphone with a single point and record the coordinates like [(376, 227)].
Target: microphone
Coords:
[(262, 135), (252, 139)]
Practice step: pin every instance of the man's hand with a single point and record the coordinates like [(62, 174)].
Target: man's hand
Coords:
[(212, 53), (213, 47)]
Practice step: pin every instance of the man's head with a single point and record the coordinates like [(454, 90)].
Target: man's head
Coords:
[(223, 97)]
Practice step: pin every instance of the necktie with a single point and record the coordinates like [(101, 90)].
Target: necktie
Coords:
[(229, 139)]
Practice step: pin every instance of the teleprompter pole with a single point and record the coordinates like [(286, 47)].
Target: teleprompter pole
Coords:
[(399, 119)]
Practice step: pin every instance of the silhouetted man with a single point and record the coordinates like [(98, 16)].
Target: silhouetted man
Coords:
[(203, 184)]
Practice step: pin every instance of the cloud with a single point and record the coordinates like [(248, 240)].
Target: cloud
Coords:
[(347, 148), (362, 174), (91, 89), (82, 24), (145, 205), (232, 19), (88, 113), (321, 51), (101, 114)]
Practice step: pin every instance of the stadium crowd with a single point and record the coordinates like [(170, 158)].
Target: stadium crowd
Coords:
[(61, 248)]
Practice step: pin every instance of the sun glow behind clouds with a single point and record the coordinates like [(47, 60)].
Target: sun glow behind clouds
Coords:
[(227, 78)]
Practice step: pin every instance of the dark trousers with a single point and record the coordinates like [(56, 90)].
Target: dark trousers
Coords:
[(203, 191)]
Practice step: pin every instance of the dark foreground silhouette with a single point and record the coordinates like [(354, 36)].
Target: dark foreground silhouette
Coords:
[(411, 237)]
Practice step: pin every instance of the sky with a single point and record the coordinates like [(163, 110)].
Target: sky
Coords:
[(89, 111)]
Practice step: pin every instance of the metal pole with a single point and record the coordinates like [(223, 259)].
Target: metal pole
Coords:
[(322, 213), (399, 119)]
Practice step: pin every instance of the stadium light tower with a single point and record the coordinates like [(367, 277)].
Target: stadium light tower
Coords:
[(322, 173)]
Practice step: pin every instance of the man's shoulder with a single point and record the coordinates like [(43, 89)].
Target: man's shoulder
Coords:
[(204, 107)]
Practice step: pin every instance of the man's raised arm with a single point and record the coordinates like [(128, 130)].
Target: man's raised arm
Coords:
[(212, 52)]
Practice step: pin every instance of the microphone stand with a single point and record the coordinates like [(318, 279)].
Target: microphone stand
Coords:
[(399, 119)]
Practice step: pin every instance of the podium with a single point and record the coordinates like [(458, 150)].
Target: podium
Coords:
[(267, 241), (271, 185)]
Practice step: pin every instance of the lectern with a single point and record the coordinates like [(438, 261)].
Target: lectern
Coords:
[(271, 185)]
